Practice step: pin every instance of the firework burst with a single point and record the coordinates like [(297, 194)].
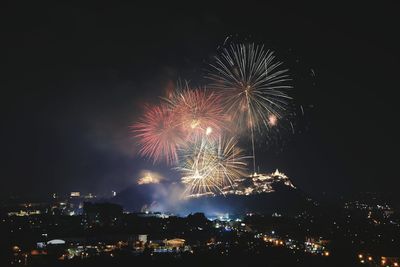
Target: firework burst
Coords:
[(211, 166), (252, 85), (158, 134), (198, 112)]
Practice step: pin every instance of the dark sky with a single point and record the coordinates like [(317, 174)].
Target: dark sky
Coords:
[(75, 77)]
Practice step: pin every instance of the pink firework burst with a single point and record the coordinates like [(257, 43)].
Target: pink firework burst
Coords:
[(198, 112), (158, 134)]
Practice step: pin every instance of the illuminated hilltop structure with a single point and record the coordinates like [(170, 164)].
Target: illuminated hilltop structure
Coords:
[(253, 184), (259, 183), (262, 193)]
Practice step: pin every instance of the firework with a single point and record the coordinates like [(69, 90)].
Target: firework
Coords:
[(272, 120), (189, 128), (212, 166), (198, 112), (252, 85), (158, 134)]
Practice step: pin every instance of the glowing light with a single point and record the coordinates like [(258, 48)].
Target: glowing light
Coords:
[(194, 124), (149, 177), (75, 194), (272, 120), (208, 130)]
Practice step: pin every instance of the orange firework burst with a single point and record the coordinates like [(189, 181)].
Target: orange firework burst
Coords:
[(158, 134), (198, 112)]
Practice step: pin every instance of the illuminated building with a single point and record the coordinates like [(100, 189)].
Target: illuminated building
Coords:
[(142, 238), (253, 184), (258, 183), (56, 242), (140, 242), (22, 213), (149, 177), (175, 243), (75, 194)]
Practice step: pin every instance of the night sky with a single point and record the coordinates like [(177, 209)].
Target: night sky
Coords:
[(75, 77)]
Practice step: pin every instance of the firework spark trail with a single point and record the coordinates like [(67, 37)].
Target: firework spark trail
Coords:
[(211, 166), (158, 134), (252, 85)]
